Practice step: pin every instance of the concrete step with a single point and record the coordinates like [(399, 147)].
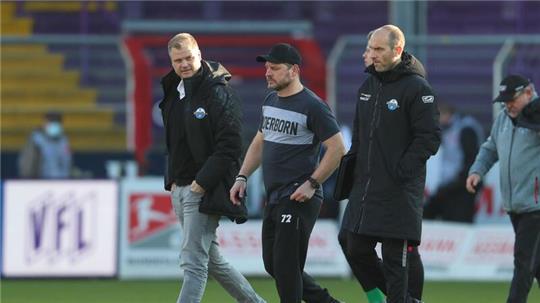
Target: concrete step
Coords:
[(38, 74), (71, 118), (112, 139), (14, 81), (23, 48), (8, 10), (49, 92), (56, 105), (69, 6), (52, 99), (17, 27), (16, 61)]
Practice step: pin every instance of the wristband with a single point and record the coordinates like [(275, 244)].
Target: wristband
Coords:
[(241, 178), (314, 183)]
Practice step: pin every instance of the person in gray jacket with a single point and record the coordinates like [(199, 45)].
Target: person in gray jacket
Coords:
[(517, 147), (47, 153)]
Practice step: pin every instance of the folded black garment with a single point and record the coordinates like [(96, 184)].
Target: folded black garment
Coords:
[(530, 116), (345, 177)]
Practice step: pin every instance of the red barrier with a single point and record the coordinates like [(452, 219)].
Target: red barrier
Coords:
[(313, 72)]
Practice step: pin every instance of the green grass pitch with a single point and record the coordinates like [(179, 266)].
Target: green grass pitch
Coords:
[(157, 291)]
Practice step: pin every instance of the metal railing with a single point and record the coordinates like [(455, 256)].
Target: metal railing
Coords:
[(420, 43)]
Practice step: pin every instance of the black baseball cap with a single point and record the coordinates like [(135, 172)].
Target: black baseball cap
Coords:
[(510, 86), (281, 53)]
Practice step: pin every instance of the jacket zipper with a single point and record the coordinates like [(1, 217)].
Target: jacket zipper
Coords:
[(373, 123), (536, 189), (509, 166)]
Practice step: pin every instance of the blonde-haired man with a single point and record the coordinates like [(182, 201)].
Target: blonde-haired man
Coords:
[(201, 117)]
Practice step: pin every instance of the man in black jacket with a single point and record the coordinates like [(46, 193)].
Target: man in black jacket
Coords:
[(372, 283), (395, 131), (201, 116)]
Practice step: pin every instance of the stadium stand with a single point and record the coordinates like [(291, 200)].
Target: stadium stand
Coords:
[(95, 73), (38, 77), (459, 61), (479, 17)]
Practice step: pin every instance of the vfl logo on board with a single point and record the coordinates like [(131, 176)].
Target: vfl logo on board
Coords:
[(428, 99), (61, 226), (149, 214), (364, 97)]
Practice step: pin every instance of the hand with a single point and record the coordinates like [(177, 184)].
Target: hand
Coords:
[(472, 182), (237, 192), (303, 193), (196, 188)]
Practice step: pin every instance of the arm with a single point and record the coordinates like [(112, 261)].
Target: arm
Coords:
[(225, 115), (335, 149), (355, 135), (487, 156), (67, 160), (29, 158), (253, 155), (251, 162), (426, 133)]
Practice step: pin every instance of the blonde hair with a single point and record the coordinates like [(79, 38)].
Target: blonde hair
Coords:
[(182, 40)]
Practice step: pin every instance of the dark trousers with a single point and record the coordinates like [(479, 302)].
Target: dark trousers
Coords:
[(399, 275), (286, 230), (526, 255)]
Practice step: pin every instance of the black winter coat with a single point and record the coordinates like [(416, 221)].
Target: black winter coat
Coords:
[(396, 129), (530, 115), (214, 141)]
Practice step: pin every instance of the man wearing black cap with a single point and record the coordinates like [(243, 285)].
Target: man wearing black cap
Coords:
[(515, 142), (294, 122)]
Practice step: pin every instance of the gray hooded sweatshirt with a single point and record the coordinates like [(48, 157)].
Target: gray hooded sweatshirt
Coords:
[(518, 151)]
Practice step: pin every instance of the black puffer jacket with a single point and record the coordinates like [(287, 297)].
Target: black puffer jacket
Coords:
[(396, 129), (530, 115), (214, 141)]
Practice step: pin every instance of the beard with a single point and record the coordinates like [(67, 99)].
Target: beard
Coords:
[(281, 84)]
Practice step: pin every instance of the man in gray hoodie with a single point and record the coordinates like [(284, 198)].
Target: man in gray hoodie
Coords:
[(517, 147)]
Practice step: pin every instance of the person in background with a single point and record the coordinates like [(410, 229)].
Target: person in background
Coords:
[(202, 121), (514, 141), (46, 154), (461, 139), (396, 129)]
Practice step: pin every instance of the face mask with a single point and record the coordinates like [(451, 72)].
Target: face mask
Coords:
[(53, 129)]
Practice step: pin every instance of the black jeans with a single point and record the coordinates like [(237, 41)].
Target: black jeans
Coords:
[(400, 279), (286, 230), (526, 255)]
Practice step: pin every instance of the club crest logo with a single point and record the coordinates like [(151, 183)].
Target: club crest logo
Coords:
[(392, 104), (200, 113), (428, 99)]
